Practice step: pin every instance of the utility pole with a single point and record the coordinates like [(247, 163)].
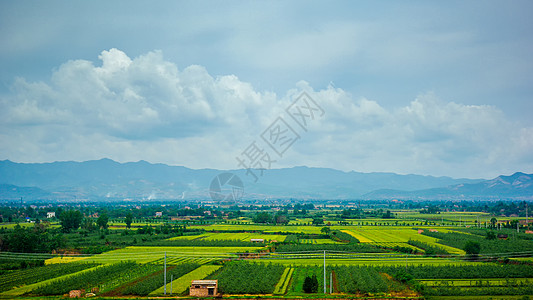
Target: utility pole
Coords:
[(331, 283), (325, 291), (165, 274), (171, 279)]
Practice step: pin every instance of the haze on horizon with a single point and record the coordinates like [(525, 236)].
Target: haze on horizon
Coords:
[(430, 88)]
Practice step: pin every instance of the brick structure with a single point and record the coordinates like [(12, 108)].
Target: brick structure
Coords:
[(204, 288)]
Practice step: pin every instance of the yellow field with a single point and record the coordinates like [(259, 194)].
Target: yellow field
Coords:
[(65, 259), (379, 234)]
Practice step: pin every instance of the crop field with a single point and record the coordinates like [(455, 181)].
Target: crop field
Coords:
[(263, 228), (249, 278), (241, 236), (385, 258), (64, 259), (392, 245), (150, 254), (182, 260), (27, 277), (365, 260), (181, 284), (283, 283), (371, 234), (477, 282), (317, 241)]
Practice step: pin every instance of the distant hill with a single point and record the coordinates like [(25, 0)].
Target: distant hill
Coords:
[(518, 186), (107, 179), (13, 192)]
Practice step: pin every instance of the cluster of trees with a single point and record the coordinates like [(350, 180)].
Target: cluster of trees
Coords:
[(355, 213), (248, 278), (72, 219), (431, 209), (310, 284), (36, 239), (280, 217)]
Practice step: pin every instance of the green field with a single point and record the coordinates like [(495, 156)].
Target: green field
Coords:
[(241, 236), (378, 234), (181, 284), (150, 254), (264, 228)]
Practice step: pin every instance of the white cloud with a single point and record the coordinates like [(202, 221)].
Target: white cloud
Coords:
[(130, 109)]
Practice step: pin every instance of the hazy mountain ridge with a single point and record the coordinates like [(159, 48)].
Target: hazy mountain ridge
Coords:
[(518, 186), (105, 178)]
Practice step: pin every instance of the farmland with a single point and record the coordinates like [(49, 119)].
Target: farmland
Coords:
[(241, 236), (414, 255)]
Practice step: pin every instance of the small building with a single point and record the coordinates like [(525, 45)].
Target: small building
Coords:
[(76, 293), (257, 240), (502, 236), (158, 214), (204, 288), (51, 214)]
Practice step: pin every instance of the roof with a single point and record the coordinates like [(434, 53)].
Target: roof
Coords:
[(214, 282)]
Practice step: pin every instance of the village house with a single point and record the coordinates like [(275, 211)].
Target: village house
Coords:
[(51, 214), (203, 288)]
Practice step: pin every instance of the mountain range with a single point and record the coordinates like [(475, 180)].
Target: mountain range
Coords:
[(107, 179)]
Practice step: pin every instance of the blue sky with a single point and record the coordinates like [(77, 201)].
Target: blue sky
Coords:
[(426, 87)]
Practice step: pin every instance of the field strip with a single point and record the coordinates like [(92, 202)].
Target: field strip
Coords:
[(361, 238), (181, 284), (474, 282), (28, 288), (283, 283)]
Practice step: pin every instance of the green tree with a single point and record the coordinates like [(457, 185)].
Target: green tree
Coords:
[(318, 221), (70, 220), (491, 235), (88, 224), (310, 284), (102, 220), (472, 249), (325, 230), (129, 220), (262, 217), (493, 222)]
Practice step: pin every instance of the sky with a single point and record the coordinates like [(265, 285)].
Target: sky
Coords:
[(438, 88)]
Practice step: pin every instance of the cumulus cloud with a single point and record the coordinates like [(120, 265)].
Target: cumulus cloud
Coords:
[(130, 109)]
